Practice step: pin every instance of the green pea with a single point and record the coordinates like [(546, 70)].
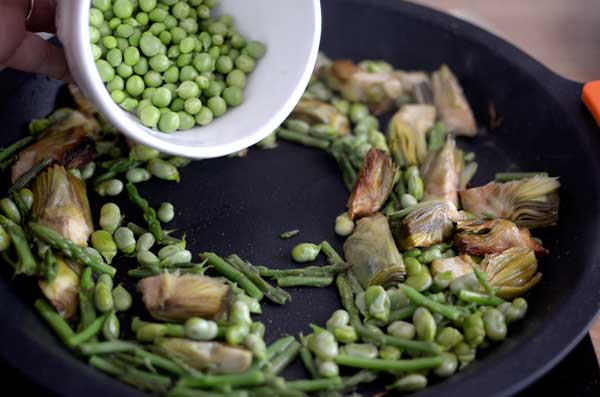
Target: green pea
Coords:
[(357, 112), (141, 67), (449, 337), (172, 89), (134, 40), (131, 56), (256, 49), (110, 217), (169, 122), (105, 70), (495, 324), (123, 8), (177, 105), (193, 106), (96, 17), (135, 86), (121, 298), (202, 81), (214, 89), (4, 240), (402, 329), (217, 106), (388, 352), (474, 329), (147, 5), (142, 18), (186, 121), (236, 333), (157, 28), (94, 35), (9, 208), (425, 325), (149, 116), (117, 83), (173, 52), (159, 63), (96, 52), (158, 15), (516, 311), (125, 240), (102, 5), (145, 242), (171, 75), (218, 40), (129, 104), (204, 116), (124, 70), (364, 350), (150, 45), (233, 96), (245, 63), (163, 170), (188, 89), (448, 366), (200, 329), (203, 62), (323, 345), (125, 31), (103, 298), (412, 382)]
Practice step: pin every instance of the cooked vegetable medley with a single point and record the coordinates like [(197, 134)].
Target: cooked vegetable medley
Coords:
[(170, 62), (432, 270)]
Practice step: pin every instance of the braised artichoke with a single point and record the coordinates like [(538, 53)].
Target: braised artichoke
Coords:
[(316, 112), (213, 356), (451, 103), (63, 291), (406, 133), (371, 252), (69, 141), (512, 272), (60, 202), (373, 185), (83, 104), (458, 265), (428, 223), (483, 237), (379, 90), (173, 297), (441, 173), (529, 203)]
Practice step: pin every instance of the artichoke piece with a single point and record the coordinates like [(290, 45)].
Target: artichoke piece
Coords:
[(428, 223), (371, 252), (407, 131), (451, 103), (458, 265), (483, 237), (419, 85), (213, 356), (69, 141), (173, 297), (63, 291), (379, 90), (373, 185), (512, 272), (60, 202), (529, 203), (441, 173), (83, 104), (316, 112)]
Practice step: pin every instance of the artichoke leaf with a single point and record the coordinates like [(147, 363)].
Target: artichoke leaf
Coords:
[(63, 291), (373, 185), (458, 265), (483, 237), (372, 253), (407, 133), (441, 172), (316, 112), (529, 203), (513, 272), (174, 297), (60, 202), (214, 356), (427, 223), (451, 103)]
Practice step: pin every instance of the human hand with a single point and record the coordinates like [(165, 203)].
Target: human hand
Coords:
[(21, 48)]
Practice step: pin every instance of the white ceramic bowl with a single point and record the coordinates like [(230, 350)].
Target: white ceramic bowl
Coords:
[(291, 30)]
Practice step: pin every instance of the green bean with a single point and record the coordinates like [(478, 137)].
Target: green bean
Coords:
[(479, 298), (56, 322), (249, 378), (412, 382), (26, 263), (495, 325), (304, 281), (232, 274), (200, 329), (474, 329), (121, 298), (425, 325), (285, 357), (289, 234), (303, 139), (274, 294), (402, 329), (376, 364), (148, 212)]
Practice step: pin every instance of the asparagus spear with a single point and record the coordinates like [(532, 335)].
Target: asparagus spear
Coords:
[(303, 139), (249, 378), (304, 281), (220, 265), (284, 358), (29, 175), (314, 385), (26, 263), (118, 167), (419, 299), (70, 249), (377, 364), (12, 149), (136, 377), (166, 238), (274, 294), (149, 212), (479, 298), (114, 346), (86, 298), (56, 322)]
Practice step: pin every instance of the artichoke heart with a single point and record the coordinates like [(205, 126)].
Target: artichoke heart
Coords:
[(63, 291), (213, 356), (316, 112), (529, 203), (428, 223), (372, 253), (483, 237), (379, 90), (83, 104), (458, 265), (441, 173), (69, 141), (512, 272), (373, 184), (451, 103), (173, 297), (60, 202), (407, 131)]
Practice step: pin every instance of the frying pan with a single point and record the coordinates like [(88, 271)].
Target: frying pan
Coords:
[(241, 205)]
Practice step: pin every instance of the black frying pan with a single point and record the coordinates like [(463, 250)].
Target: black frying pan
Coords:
[(241, 205)]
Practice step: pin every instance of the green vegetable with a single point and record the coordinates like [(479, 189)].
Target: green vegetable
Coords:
[(111, 327), (425, 325), (103, 242), (26, 263), (419, 299), (323, 344), (200, 329), (149, 213), (163, 169), (125, 240), (343, 225), (110, 217), (274, 294), (402, 329), (474, 329), (232, 274), (378, 303), (121, 298), (304, 281), (289, 234), (377, 364), (412, 382), (448, 367), (111, 187), (495, 325), (365, 350), (10, 210), (449, 337), (166, 212)]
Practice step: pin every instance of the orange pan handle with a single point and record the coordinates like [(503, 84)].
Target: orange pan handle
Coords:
[(591, 97)]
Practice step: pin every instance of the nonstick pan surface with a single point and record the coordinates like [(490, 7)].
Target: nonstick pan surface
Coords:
[(241, 205)]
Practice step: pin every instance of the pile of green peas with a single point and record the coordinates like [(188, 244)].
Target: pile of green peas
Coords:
[(169, 61)]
